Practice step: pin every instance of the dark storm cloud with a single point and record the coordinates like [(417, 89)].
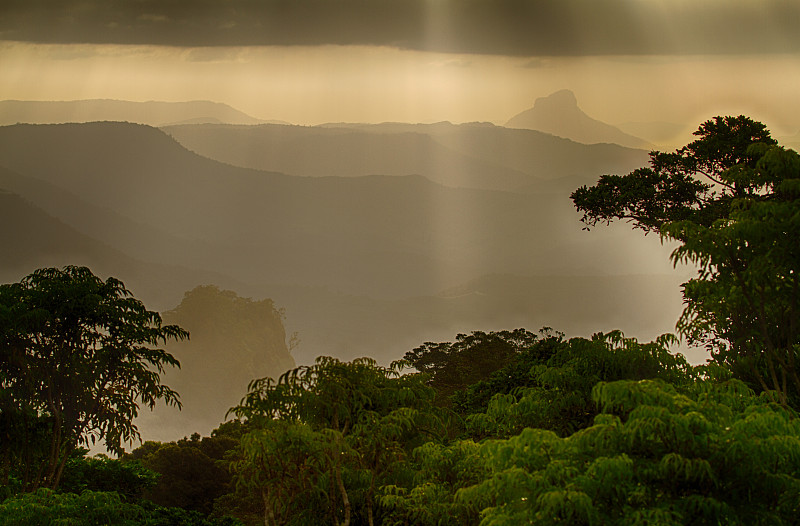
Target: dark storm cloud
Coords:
[(509, 27)]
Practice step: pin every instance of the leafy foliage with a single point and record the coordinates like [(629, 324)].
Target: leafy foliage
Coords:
[(732, 200), (354, 421), (192, 472), (718, 455), (557, 395), (130, 479), (439, 472), (45, 507), (696, 183), (512, 377), (470, 358), (78, 356), (282, 463)]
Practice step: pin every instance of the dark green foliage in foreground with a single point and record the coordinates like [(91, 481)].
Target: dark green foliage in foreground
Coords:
[(547, 380), (191, 472), (327, 437), (688, 446), (510, 378), (558, 392), (456, 365), (46, 508), (698, 183), (716, 455), (553, 395), (731, 199), (129, 479), (78, 356)]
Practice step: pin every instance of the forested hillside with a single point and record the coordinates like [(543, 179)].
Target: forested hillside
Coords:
[(488, 428)]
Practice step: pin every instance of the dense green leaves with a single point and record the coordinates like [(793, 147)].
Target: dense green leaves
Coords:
[(428, 498), (129, 479), (732, 200), (688, 458), (549, 384), (282, 464), (470, 358), (46, 508), (696, 183), (78, 355), (342, 428)]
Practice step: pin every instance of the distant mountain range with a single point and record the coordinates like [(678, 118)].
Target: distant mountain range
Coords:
[(370, 258), (135, 189), (33, 238), (154, 113), (378, 235), (560, 115), (481, 156)]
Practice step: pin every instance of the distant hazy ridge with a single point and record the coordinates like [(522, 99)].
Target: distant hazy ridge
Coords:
[(161, 208), (154, 113), (560, 115)]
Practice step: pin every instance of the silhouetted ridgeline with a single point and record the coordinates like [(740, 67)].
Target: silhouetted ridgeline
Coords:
[(377, 235), (467, 155), (32, 238), (153, 113)]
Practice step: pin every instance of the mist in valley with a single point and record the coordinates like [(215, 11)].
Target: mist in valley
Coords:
[(341, 192), (356, 240)]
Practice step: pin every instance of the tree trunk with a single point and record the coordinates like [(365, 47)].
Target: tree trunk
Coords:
[(60, 469), (370, 496), (345, 500), (269, 514), (337, 471), (370, 520)]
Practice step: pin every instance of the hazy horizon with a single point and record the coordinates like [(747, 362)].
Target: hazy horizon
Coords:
[(311, 62), (315, 85)]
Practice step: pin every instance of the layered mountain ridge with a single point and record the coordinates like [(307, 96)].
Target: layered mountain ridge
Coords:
[(358, 260)]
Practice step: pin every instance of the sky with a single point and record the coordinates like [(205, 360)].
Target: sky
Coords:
[(314, 61)]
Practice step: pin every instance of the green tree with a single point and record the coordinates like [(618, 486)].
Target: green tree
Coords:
[(511, 378), (713, 454), (355, 419), (192, 471), (282, 462), (557, 395), (554, 396), (428, 496), (693, 183), (78, 355), (44, 507), (453, 366), (189, 478), (731, 199), (129, 479)]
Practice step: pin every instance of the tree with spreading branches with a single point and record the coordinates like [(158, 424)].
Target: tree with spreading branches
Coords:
[(78, 355), (731, 199)]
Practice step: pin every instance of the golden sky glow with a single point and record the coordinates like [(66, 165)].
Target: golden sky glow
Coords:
[(312, 85)]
